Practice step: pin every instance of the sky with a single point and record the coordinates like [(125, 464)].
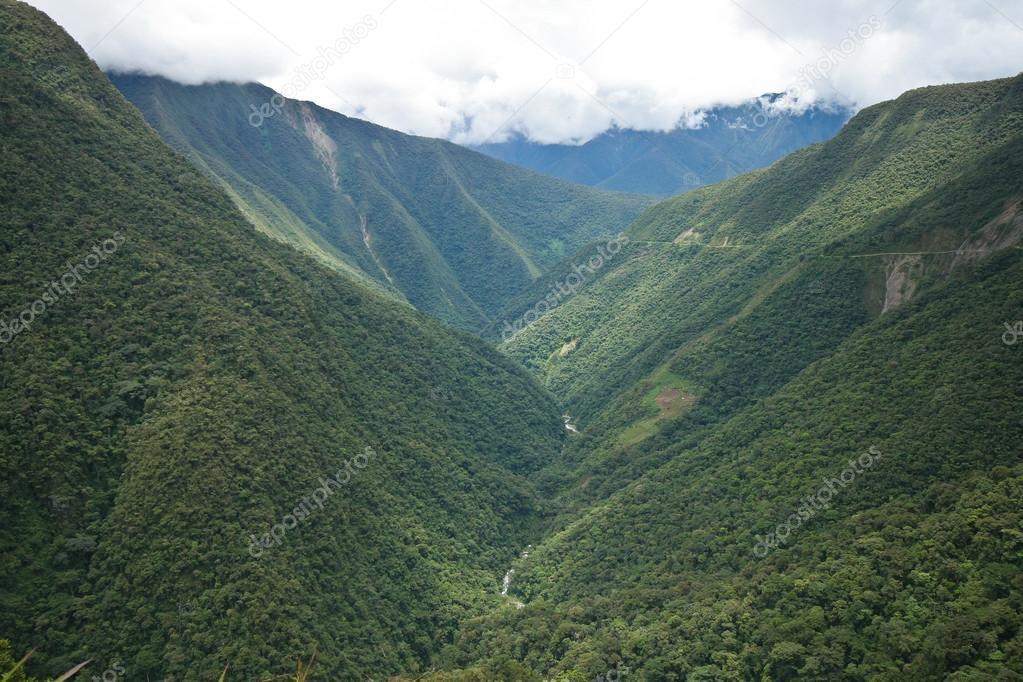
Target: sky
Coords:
[(555, 71)]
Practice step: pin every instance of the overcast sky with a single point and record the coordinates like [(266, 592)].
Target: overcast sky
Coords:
[(554, 70)]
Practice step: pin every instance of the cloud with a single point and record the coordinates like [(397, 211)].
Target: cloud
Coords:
[(475, 70)]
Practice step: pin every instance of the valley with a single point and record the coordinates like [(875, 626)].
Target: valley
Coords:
[(777, 357), (303, 393)]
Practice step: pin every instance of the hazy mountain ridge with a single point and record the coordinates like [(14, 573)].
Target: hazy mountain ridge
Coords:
[(727, 141)]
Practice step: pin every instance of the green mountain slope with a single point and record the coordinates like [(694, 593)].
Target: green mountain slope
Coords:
[(724, 294), (456, 232), (751, 340), (177, 390), (910, 570), (797, 395)]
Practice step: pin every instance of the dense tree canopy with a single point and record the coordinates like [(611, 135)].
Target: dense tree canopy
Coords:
[(194, 388), (800, 452)]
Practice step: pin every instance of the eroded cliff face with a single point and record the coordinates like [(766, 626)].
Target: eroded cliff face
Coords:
[(323, 144), (901, 276), (1004, 232), (903, 271)]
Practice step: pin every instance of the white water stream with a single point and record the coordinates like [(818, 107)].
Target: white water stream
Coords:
[(506, 583), (568, 424)]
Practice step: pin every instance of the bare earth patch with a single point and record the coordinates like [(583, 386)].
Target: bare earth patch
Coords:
[(671, 403), (900, 285), (666, 397), (671, 400), (691, 232), (1005, 231)]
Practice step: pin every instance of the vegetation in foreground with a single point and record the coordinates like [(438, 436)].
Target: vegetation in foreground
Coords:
[(799, 455)]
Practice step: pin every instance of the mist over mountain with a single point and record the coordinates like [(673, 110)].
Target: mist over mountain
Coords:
[(722, 142), (285, 394)]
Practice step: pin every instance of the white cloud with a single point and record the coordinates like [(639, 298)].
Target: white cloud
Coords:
[(471, 70)]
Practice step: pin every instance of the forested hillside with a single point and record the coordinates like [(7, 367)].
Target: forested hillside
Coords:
[(453, 231), (774, 431), (724, 294), (800, 421), (214, 450)]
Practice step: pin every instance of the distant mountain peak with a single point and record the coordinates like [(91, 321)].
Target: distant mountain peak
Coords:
[(705, 147)]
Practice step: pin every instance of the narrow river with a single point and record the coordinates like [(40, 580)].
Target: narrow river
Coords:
[(506, 583)]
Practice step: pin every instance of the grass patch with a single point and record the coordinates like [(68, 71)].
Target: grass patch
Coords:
[(668, 396)]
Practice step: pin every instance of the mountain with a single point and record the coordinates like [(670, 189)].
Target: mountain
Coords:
[(798, 401), (728, 141), (451, 230), (791, 447), (175, 387)]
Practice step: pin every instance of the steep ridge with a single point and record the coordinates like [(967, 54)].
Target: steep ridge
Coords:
[(455, 232), (795, 400), (215, 450), (725, 142), (725, 293), (793, 465)]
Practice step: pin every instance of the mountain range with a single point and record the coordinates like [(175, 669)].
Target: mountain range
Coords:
[(714, 145), (769, 430), (798, 401), (452, 231)]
